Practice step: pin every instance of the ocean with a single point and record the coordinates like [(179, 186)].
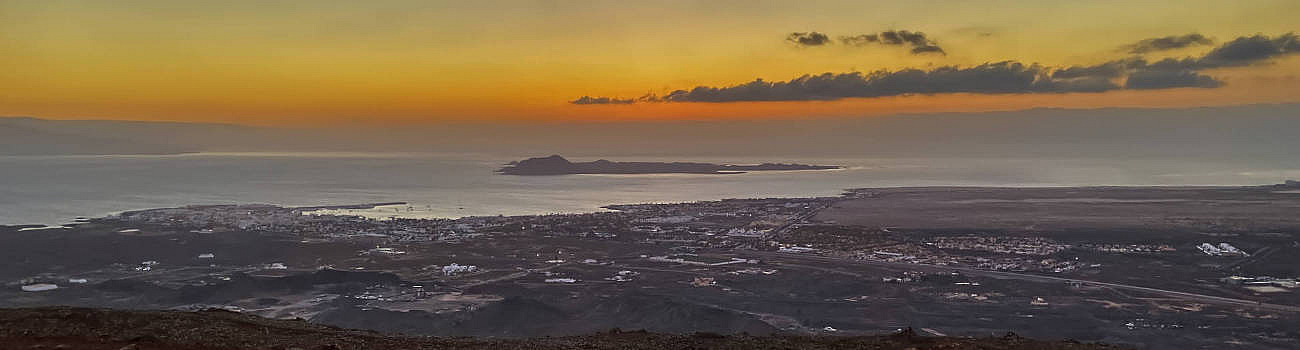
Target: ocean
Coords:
[(56, 189)]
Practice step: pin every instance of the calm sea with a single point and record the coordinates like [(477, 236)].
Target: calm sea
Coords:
[(56, 189)]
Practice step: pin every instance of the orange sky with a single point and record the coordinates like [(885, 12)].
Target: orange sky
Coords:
[(385, 62)]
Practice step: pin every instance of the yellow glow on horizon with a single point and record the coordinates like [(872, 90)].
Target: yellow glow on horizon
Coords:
[(255, 62)]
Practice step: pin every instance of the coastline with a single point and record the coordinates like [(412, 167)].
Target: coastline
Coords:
[(844, 194), (1011, 245)]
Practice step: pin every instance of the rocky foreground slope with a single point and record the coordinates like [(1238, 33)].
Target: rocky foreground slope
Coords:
[(82, 328)]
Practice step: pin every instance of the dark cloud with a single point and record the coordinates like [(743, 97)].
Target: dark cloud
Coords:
[(901, 37), (1170, 64), (1249, 50), (1005, 77), (1242, 51), (919, 43), (1184, 72), (927, 49), (808, 38), (1168, 79), (588, 100), (989, 78), (1141, 75), (1167, 43), (1113, 69), (860, 40)]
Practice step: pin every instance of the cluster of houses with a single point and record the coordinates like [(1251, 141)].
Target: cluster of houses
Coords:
[(1004, 245), (1222, 249), (691, 259), (1262, 284), (456, 269)]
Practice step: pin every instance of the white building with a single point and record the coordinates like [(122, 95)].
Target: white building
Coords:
[(1222, 249), (39, 287), (455, 269)]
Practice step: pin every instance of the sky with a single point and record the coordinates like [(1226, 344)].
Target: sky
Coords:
[(329, 62)]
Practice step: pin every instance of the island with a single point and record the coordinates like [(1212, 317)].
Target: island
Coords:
[(557, 165)]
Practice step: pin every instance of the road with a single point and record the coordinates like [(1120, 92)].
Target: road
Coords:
[(513, 276), (1259, 255), (1208, 299), (778, 232)]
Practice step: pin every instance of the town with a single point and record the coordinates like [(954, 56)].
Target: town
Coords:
[(729, 266)]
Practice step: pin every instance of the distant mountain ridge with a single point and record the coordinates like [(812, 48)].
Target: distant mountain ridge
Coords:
[(34, 136), (17, 139), (1226, 132), (557, 165)]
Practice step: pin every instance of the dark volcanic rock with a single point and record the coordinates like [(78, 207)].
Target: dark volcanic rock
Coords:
[(669, 315), (512, 317), (243, 285), (523, 317), (557, 165), (80, 328)]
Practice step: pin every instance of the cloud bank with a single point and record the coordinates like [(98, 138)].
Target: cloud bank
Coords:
[(988, 78), (1160, 79), (588, 100), (919, 43), (1005, 77), (1185, 72), (1171, 42), (808, 38)]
